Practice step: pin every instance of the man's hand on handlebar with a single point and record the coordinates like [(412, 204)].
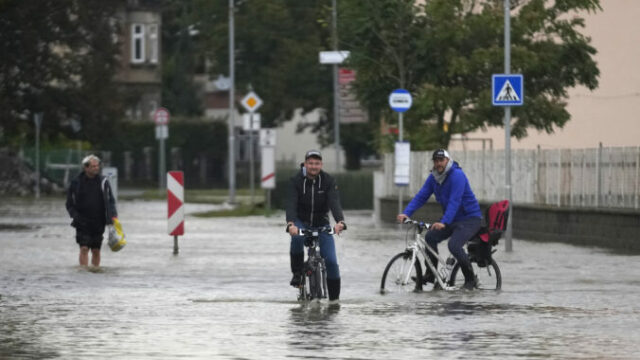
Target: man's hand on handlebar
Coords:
[(438, 226), (401, 218), (293, 230)]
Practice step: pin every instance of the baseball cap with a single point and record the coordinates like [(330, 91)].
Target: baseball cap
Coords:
[(313, 153), (440, 153)]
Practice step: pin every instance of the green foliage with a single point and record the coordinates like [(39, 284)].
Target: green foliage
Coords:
[(445, 51), (277, 45), (180, 58), (195, 138), (58, 58)]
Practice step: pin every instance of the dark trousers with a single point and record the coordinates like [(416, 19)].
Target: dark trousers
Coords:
[(460, 232)]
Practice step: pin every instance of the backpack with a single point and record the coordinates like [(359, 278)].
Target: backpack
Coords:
[(497, 215)]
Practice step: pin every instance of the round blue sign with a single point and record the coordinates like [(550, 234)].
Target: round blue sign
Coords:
[(400, 100)]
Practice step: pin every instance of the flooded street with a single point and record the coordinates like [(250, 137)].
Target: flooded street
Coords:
[(226, 295)]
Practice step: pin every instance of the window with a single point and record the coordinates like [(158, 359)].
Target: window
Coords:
[(153, 43), (137, 43)]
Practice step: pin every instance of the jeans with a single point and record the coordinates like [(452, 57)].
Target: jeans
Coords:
[(327, 250), (460, 232)]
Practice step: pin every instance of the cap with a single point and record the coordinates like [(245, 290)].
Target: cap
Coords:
[(440, 153), (313, 153)]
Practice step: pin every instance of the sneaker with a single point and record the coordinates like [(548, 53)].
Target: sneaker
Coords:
[(470, 284), (296, 280), (428, 277)]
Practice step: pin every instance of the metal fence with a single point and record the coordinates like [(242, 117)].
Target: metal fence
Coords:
[(596, 177)]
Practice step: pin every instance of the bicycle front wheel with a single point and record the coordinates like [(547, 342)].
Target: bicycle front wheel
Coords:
[(489, 277), (401, 275)]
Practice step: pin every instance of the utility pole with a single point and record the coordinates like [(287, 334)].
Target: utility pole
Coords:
[(231, 127)]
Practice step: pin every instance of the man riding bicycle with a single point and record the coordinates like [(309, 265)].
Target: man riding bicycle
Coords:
[(461, 217), (312, 194)]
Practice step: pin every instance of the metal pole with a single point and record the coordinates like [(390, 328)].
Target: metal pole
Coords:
[(231, 125), (268, 201), (400, 138), (38, 121), (251, 176), (599, 175), (484, 154), (175, 245), (161, 164), (336, 97), (507, 126), (635, 192)]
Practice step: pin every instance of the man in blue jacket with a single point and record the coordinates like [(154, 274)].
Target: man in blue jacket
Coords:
[(461, 217)]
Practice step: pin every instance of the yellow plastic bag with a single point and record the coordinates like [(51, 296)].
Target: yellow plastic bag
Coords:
[(116, 236)]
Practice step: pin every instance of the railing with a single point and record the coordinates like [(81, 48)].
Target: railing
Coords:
[(596, 177)]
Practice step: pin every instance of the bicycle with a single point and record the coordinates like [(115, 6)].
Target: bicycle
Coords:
[(403, 273), (314, 282)]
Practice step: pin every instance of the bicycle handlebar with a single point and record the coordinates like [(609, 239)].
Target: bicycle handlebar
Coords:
[(316, 231), (419, 224)]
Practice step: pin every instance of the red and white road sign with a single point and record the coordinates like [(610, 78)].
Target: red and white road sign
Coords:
[(161, 116), (268, 173), (175, 201)]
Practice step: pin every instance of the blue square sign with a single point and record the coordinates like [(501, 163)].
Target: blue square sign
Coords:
[(507, 90)]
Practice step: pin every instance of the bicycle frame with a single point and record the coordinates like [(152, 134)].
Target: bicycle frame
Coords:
[(315, 268), (419, 246)]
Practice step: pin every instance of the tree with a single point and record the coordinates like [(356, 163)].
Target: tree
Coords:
[(450, 48), (277, 44), (180, 57), (58, 58), (276, 53)]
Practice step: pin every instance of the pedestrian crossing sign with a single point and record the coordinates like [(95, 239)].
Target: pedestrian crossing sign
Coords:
[(507, 89)]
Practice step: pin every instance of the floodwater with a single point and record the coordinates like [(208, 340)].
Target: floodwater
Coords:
[(226, 296)]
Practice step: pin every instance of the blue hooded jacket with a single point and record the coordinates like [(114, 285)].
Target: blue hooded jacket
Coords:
[(454, 195)]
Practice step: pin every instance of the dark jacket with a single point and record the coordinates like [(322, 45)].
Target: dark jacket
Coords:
[(311, 199), (454, 195), (90, 203)]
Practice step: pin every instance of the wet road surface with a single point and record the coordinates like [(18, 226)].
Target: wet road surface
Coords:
[(226, 296)]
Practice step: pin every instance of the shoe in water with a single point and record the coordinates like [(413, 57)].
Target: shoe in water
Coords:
[(296, 280), (470, 284), (428, 277)]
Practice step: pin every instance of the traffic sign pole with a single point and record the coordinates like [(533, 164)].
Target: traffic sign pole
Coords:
[(161, 118), (507, 125), (251, 175), (251, 103), (400, 101), (401, 189)]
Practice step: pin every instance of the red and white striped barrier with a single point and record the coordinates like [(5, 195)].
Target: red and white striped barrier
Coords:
[(175, 201)]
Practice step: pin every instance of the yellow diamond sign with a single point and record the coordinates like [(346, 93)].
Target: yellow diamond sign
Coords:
[(251, 102)]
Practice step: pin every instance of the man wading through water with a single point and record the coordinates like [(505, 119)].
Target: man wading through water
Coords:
[(312, 194), (91, 205)]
